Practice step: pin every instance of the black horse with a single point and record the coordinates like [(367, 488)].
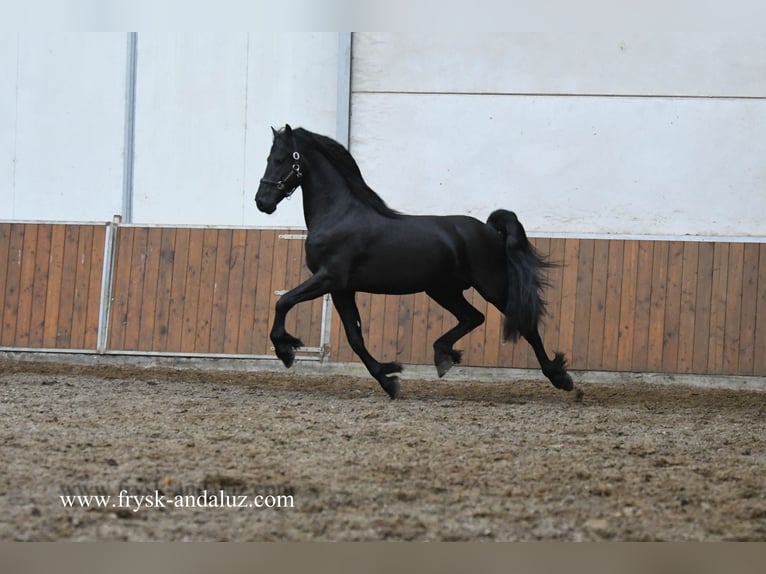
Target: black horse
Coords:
[(357, 243)]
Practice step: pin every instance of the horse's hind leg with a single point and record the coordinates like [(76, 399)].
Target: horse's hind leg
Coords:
[(468, 319), (556, 369), (384, 373)]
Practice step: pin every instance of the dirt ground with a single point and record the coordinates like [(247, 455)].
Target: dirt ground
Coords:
[(449, 460)]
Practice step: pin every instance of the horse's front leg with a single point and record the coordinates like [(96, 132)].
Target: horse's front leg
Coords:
[(284, 343)]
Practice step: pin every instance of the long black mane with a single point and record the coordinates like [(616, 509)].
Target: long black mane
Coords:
[(348, 168)]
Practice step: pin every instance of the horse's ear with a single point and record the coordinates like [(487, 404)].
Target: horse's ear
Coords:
[(273, 132), (288, 130)]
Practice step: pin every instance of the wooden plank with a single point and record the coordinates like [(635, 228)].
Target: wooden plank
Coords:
[(687, 315), (119, 308), (149, 280), (759, 361), (703, 307), (718, 308), (596, 318), (164, 292), (26, 286), (260, 278), (220, 292), (642, 308), (376, 324), (12, 285), (390, 328), (611, 331), (42, 266), (405, 326), (555, 277), (749, 311), (192, 290), (474, 344), (68, 286), (82, 288), (659, 281), (246, 320), (53, 291), (582, 304), (206, 290), (136, 288), (234, 294), (627, 311), (96, 269), (672, 317), (568, 297), (5, 237), (733, 299), (175, 322)]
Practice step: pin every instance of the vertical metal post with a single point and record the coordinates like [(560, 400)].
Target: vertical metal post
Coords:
[(107, 285), (130, 129)]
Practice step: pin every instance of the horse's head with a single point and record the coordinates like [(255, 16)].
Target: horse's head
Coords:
[(283, 171)]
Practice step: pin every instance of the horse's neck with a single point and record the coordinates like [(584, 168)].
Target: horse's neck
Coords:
[(326, 194)]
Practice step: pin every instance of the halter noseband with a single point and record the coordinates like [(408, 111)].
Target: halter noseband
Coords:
[(295, 174)]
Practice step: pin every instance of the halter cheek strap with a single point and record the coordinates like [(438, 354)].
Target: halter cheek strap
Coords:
[(293, 179)]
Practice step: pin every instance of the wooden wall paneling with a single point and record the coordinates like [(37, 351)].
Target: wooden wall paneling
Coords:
[(671, 319), (244, 322), (5, 237), (405, 327), (258, 334), (611, 330), (96, 269), (659, 280), (167, 256), (759, 359), (192, 291), (151, 258), (703, 307), (12, 284), (596, 319), (70, 265), (642, 308), (220, 293), (235, 291), (53, 290), (42, 272), (687, 312), (627, 313), (206, 290), (582, 304), (749, 309), (26, 285), (734, 285), (81, 288), (568, 298), (172, 341), (720, 280)]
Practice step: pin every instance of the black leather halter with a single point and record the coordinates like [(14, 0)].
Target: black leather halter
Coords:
[(291, 182)]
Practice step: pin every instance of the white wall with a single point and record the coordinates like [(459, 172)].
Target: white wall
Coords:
[(204, 104), (608, 134), (61, 126)]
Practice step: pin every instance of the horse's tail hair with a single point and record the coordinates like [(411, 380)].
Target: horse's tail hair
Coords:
[(524, 306)]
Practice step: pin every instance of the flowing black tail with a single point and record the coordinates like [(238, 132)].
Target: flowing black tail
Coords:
[(525, 305)]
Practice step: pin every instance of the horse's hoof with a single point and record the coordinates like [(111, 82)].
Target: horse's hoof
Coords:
[(445, 362), (285, 350), (389, 380), (563, 381), (391, 386)]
